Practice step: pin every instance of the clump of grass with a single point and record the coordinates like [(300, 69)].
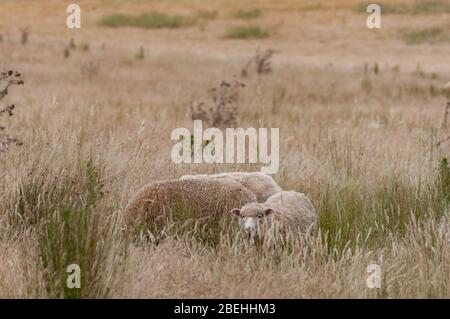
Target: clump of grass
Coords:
[(247, 32), (431, 6), (417, 7), (428, 35), (248, 14), (141, 54), (206, 14), (84, 237), (153, 20), (41, 192), (72, 226), (353, 209), (444, 179), (24, 35), (366, 85), (386, 8)]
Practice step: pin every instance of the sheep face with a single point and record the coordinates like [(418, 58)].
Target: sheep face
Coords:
[(254, 219)]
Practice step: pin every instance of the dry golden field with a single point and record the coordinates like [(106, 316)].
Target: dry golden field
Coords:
[(360, 114)]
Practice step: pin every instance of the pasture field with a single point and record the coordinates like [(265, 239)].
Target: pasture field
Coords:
[(362, 134)]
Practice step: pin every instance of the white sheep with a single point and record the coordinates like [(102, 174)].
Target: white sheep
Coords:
[(262, 185), (286, 210), (199, 196)]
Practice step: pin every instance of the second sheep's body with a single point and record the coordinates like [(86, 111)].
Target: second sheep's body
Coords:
[(262, 185)]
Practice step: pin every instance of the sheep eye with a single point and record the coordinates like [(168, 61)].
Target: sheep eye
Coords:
[(260, 215)]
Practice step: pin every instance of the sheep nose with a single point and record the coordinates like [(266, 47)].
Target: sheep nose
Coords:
[(249, 227), (251, 231)]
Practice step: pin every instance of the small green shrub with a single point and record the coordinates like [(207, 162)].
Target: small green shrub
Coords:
[(429, 35), (152, 20), (386, 8), (417, 7), (247, 14), (247, 32)]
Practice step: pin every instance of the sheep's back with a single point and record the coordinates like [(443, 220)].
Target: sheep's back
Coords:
[(262, 185), (199, 196)]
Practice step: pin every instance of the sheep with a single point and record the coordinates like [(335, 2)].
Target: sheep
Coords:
[(283, 211), (201, 196), (262, 185)]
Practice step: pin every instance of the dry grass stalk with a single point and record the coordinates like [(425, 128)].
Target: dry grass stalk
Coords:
[(72, 44), (90, 70), (66, 53), (444, 119), (25, 35), (262, 61), (446, 91), (8, 79)]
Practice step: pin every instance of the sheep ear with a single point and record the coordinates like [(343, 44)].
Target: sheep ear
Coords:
[(236, 212), (268, 212)]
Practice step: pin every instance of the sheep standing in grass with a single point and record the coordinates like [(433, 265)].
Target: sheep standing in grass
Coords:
[(199, 197), (262, 185), (286, 210)]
